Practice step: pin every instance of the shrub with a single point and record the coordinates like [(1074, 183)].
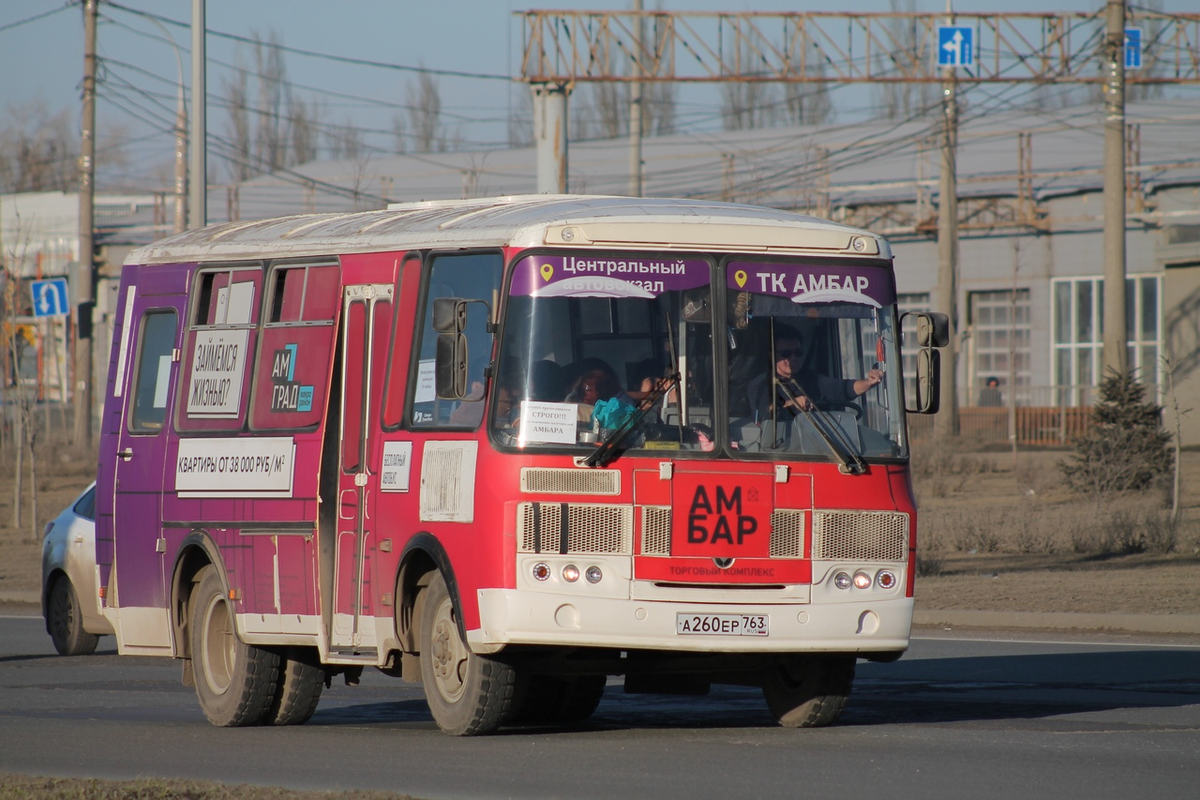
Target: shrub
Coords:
[(1126, 447)]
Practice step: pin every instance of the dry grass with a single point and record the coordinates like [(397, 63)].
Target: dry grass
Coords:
[(980, 503), (24, 786)]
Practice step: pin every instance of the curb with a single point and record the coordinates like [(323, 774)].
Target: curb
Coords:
[(1136, 623)]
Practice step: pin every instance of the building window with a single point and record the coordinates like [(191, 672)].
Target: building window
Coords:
[(999, 347), (1078, 325)]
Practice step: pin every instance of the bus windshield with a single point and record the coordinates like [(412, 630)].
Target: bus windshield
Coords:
[(633, 346)]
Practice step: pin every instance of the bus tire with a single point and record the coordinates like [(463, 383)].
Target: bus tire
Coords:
[(64, 619), (235, 681), (298, 691), (808, 691), (555, 699), (468, 694)]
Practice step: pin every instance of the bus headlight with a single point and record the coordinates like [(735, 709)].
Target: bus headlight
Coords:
[(862, 580), (570, 573), (841, 580), (885, 579), (541, 571), (594, 575)]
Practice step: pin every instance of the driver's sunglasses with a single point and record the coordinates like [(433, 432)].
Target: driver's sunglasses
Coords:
[(780, 355)]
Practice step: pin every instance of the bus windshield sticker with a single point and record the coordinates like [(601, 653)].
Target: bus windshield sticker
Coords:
[(802, 283), (547, 423), (426, 371), (574, 276), (218, 361)]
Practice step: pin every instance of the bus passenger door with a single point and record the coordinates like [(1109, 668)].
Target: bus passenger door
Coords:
[(148, 383), (367, 321)]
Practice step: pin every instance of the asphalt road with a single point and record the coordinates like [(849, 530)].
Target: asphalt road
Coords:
[(957, 717)]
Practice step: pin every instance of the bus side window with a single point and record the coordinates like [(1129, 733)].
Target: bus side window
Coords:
[(291, 374), (153, 372), (474, 276), (218, 348)]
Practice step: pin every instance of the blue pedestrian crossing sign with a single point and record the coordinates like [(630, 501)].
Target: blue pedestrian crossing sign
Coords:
[(50, 298), (1133, 48), (956, 46)]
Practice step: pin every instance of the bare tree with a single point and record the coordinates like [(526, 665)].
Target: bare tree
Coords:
[(424, 114), (237, 105), (344, 142), (903, 99), (278, 129), (399, 143), (271, 130), (520, 118), (304, 121), (38, 149), (749, 103)]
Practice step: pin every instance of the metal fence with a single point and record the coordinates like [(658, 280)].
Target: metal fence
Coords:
[(1042, 416)]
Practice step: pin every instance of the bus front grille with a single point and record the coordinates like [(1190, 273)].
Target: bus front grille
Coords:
[(546, 480), (860, 536), (542, 528), (787, 532)]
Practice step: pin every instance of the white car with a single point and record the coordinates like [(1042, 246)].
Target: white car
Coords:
[(69, 595)]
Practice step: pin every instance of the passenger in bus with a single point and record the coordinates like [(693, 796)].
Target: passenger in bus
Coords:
[(595, 380), (801, 381), (547, 382)]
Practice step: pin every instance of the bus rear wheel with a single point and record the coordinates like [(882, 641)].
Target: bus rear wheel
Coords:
[(298, 691), (808, 691), (235, 682), (468, 694)]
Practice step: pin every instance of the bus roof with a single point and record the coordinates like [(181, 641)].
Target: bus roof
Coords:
[(586, 221)]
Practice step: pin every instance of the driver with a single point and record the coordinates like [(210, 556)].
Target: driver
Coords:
[(801, 381)]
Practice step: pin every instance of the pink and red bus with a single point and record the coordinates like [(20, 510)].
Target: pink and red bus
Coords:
[(510, 447)]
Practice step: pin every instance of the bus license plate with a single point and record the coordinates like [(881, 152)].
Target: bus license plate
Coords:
[(722, 624)]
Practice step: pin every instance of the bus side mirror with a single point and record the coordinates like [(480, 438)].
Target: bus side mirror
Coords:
[(933, 329), (450, 371), (929, 373), (449, 315)]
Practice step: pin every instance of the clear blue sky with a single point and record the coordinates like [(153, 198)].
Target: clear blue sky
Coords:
[(41, 60)]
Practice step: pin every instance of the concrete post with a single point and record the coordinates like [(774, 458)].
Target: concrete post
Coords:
[(550, 131)]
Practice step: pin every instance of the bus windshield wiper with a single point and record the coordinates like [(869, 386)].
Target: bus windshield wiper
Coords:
[(839, 445), (607, 450)]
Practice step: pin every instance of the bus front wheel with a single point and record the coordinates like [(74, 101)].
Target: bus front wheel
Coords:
[(808, 691), (235, 682), (468, 694)]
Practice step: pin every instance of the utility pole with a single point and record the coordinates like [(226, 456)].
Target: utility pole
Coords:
[(198, 208), (635, 103), (87, 190), (1114, 190), (946, 422)]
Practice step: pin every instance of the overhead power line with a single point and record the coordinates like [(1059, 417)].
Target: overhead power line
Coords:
[(362, 62)]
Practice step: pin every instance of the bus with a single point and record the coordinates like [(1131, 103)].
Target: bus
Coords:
[(508, 448)]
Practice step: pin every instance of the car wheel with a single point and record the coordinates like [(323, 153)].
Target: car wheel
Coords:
[(65, 621), (235, 682), (808, 691), (468, 694)]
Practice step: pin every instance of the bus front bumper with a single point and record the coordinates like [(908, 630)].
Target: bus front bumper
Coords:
[(511, 616)]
